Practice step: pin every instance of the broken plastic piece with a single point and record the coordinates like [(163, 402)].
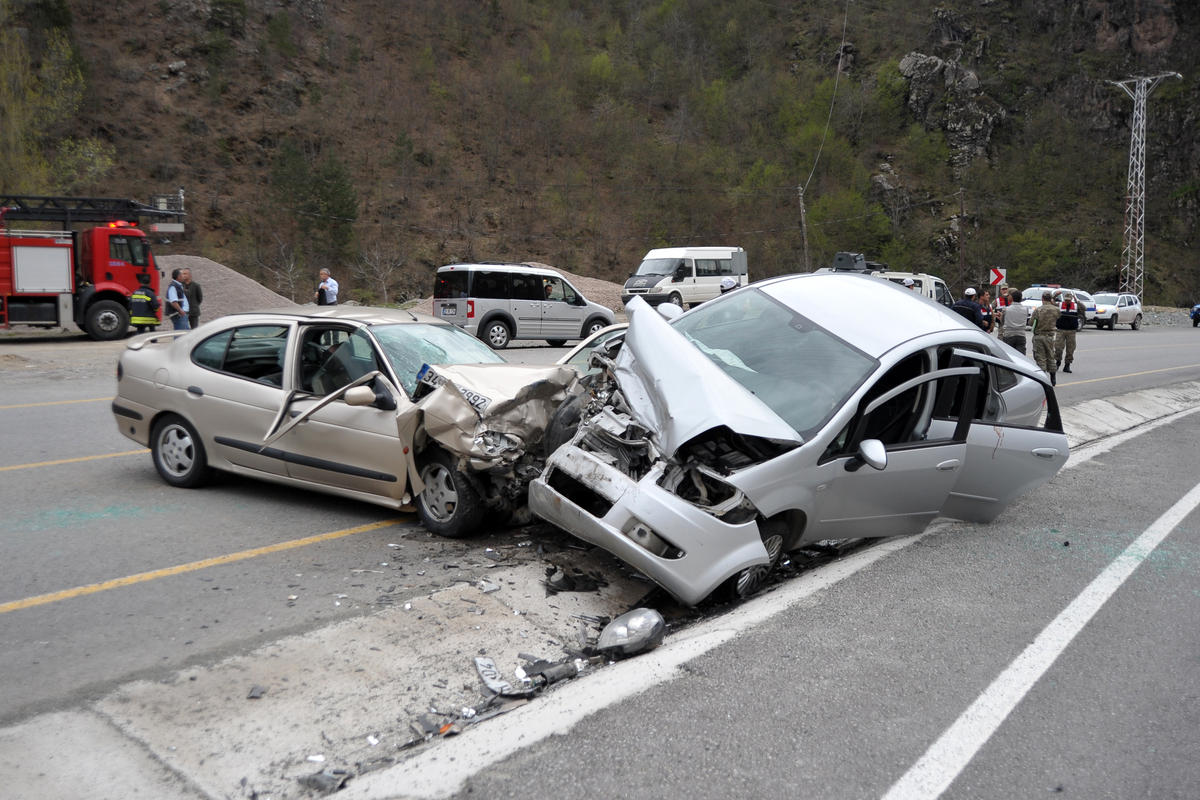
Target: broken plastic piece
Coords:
[(633, 632), (325, 781), (256, 692)]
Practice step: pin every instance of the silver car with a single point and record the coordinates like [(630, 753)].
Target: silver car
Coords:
[(774, 416), (373, 404)]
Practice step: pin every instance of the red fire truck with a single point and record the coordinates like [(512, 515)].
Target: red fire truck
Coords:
[(51, 277)]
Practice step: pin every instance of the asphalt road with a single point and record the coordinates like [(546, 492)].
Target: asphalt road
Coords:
[(109, 574)]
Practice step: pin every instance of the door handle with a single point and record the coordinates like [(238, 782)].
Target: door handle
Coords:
[(946, 466), (196, 390), (1045, 452)]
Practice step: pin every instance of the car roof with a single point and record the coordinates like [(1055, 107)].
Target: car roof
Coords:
[(500, 266), (835, 300), (365, 315)]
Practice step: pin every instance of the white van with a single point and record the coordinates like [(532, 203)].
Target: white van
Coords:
[(925, 284), (682, 275)]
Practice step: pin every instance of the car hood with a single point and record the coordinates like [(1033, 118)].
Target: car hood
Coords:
[(677, 393), (491, 413)]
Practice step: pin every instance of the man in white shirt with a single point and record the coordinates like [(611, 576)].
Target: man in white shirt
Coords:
[(327, 290)]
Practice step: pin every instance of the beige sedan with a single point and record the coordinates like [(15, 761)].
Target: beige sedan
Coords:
[(379, 405)]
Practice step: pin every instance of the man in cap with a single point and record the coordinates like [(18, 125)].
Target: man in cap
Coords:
[(909, 283), (1068, 323), (1045, 320), (968, 309)]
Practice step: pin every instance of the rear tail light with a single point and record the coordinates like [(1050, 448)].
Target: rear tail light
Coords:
[(470, 309)]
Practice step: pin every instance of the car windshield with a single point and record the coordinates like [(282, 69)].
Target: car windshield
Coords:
[(658, 266), (409, 347), (801, 371), (1107, 299)]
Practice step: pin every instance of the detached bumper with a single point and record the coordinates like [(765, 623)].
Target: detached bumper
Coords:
[(603, 506)]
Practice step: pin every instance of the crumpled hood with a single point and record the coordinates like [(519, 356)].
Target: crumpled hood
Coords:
[(677, 393), (511, 399)]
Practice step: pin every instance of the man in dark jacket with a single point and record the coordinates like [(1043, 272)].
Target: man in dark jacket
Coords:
[(195, 296), (968, 309), (143, 306), (1068, 323)]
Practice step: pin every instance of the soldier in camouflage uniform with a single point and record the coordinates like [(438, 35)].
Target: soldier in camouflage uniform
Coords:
[(1045, 319)]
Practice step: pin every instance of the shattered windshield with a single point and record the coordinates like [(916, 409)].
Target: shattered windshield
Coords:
[(409, 347), (658, 266), (802, 371)]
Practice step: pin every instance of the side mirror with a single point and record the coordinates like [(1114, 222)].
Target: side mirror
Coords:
[(669, 311), (368, 395), (870, 452)]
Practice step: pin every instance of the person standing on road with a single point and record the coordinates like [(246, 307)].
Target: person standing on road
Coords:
[(327, 290), (1005, 299), (177, 302), (968, 309), (985, 310), (1045, 318), (195, 296), (1067, 325), (143, 305), (1013, 318)]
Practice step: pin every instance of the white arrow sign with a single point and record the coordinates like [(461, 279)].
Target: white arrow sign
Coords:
[(999, 275)]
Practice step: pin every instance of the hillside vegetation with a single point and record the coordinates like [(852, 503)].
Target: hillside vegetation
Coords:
[(385, 139)]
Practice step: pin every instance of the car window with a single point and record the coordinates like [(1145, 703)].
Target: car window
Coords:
[(707, 267), (324, 367), (1105, 299), (409, 347), (490, 285), (553, 289), (527, 287), (254, 352), (569, 293), (802, 371), (451, 284)]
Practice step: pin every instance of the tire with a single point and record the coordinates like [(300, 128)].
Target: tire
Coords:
[(1196, 323), (497, 334), (178, 453), (1137, 322), (745, 583), (449, 506), (676, 298), (592, 326), (556, 342), (1112, 323), (564, 422), (107, 320)]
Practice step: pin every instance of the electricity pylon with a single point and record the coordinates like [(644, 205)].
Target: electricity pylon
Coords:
[(1133, 252)]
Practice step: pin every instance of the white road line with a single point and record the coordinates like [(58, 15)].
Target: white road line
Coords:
[(949, 755)]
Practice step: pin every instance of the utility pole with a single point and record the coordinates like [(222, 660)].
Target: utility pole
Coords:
[(962, 236), (804, 228), (1134, 247)]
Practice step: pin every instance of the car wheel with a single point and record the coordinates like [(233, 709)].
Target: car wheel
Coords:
[(593, 327), (750, 580), (556, 342), (1196, 323), (1137, 322), (449, 506), (564, 422), (676, 298), (497, 335), (178, 452), (107, 320), (1112, 323)]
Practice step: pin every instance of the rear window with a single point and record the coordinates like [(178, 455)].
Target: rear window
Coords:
[(451, 284)]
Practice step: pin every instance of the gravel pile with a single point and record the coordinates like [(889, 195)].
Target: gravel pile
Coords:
[(1161, 315), (226, 291)]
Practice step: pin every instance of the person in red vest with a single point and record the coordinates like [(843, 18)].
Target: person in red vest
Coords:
[(1064, 335)]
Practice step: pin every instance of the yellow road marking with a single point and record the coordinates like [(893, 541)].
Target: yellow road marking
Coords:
[(55, 403), (74, 460), (142, 577), (1130, 375)]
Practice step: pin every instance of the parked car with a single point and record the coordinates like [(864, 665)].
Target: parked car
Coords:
[(373, 404), (1031, 298), (769, 418), (1196, 315), (502, 302), (1113, 308), (685, 275)]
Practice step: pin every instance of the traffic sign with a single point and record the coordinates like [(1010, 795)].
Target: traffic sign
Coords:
[(999, 275)]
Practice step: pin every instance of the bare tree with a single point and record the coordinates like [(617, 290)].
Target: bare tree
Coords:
[(283, 266), (381, 268)]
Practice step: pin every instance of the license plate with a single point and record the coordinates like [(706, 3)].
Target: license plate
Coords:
[(449, 311)]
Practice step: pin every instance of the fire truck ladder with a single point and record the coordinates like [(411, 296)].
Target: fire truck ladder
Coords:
[(71, 210)]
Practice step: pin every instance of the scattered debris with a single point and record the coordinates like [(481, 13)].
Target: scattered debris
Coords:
[(487, 587), (559, 580), (372, 740), (326, 781), (256, 692), (633, 632), (316, 758)]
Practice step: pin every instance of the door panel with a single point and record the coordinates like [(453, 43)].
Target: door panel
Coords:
[(1003, 463)]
